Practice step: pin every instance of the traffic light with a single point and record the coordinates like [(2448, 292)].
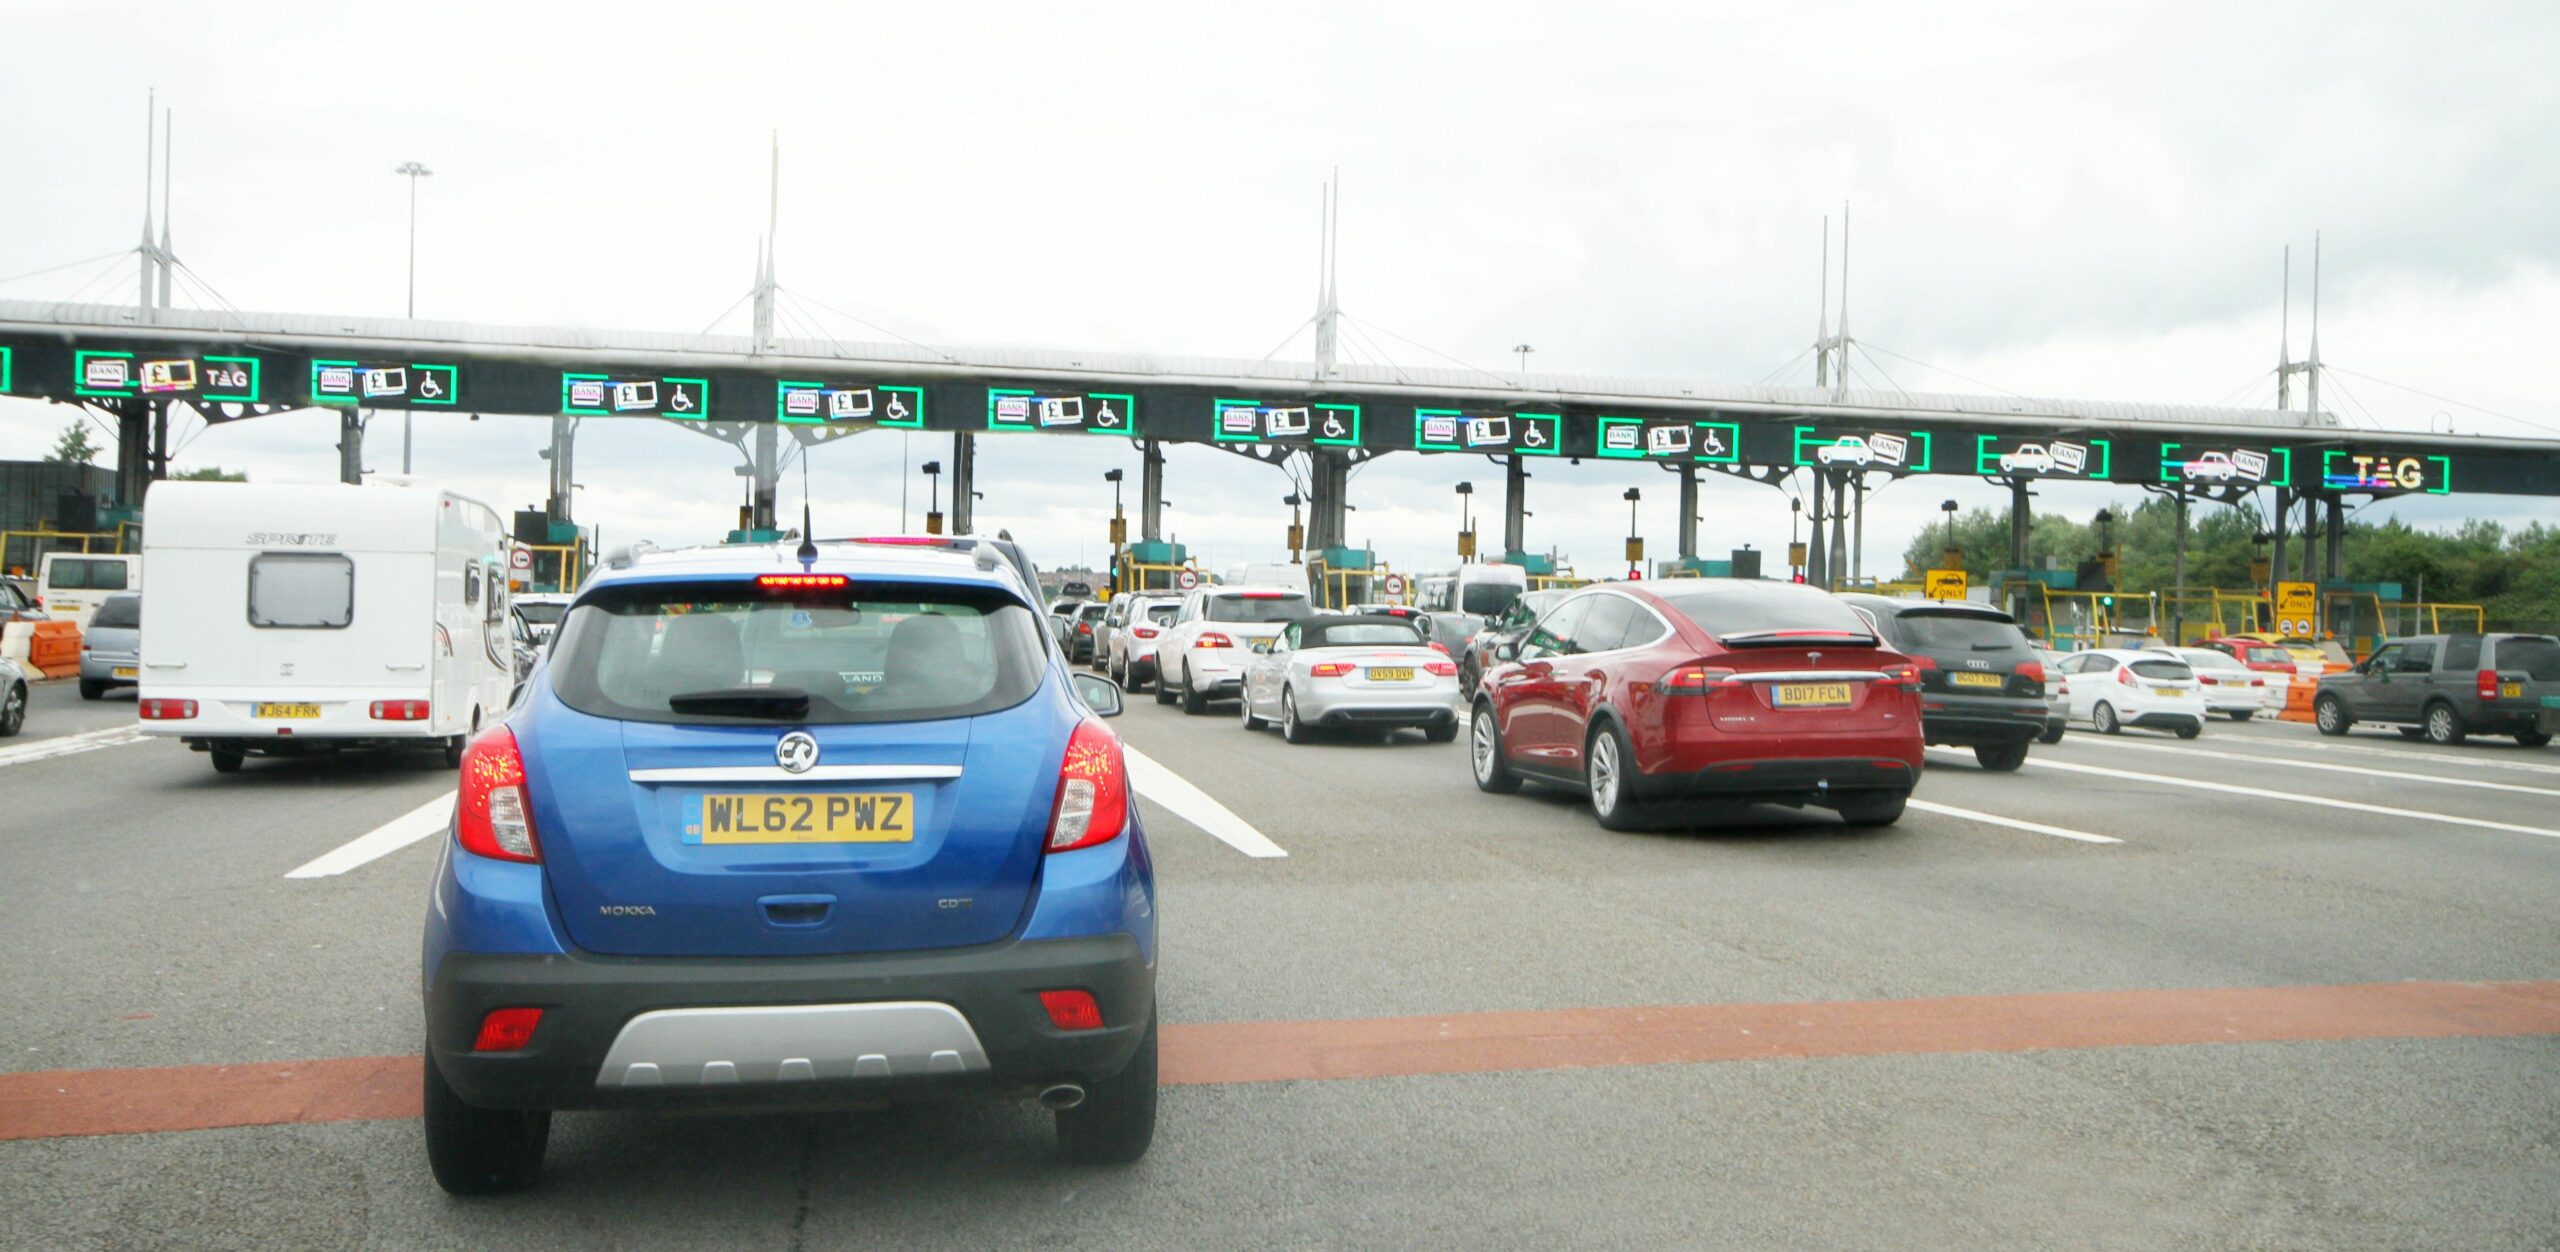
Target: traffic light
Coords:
[(2107, 601)]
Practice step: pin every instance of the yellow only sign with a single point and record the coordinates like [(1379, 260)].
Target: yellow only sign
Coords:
[(2297, 607), (1945, 584)]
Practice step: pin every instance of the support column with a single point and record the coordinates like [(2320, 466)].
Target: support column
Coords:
[(133, 450), (1817, 568), (159, 440), (964, 481), (766, 471), (1839, 533), (351, 446), (1688, 512), (1515, 510), (563, 456), (1858, 529), (2334, 562), (1328, 491), (2280, 567), (1150, 491), (2021, 526), (2178, 610)]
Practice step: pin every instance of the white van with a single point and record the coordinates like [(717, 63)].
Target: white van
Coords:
[(293, 619), (71, 585), (1462, 600)]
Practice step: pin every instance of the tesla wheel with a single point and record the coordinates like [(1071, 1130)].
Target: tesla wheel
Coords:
[(2191, 729), (2243, 715), (92, 689), (1484, 751), (1117, 1119), (13, 709), (2529, 738), (1192, 702), (1875, 810), (1291, 728), (2105, 719), (476, 1151), (1442, 732), (1251, 722), (228, 760), (1608, 769), (2000, 758), (2329, 715), (2444, 725)]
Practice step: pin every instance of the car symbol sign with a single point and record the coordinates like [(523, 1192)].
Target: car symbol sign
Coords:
[(797, 752)]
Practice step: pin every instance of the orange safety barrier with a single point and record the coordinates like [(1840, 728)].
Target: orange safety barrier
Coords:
[(54, 649)]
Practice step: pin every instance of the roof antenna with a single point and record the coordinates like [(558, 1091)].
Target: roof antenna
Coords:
[(808, 552)]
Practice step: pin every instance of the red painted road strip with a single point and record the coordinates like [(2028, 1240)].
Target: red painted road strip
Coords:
[(63, 1103)]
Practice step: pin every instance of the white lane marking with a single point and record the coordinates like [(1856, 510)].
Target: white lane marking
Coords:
[(71, 745), (1193, 805), (2438, 758), (1994, 819), (2255, 759), (2379, 810), (427, 819)]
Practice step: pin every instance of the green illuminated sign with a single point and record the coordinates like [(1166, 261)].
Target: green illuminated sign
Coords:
[(1899, 451), (1670, 439), (816, 404), (222, 379), (1493, 433), (2008, 456), (8, 357), (1093, 412), (2226, 466), (611, 395), (350, 383), (1252, 421)]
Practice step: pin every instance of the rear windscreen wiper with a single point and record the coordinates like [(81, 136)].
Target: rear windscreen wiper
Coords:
[(781, 703)]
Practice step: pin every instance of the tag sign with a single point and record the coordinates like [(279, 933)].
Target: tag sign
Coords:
[(1945, 584)]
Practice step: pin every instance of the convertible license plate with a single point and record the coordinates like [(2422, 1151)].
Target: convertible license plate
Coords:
[(805, 817), (1810, 695), (2506, 691), (301, 712), (125, 671), (1979, 680), (1396, 674)]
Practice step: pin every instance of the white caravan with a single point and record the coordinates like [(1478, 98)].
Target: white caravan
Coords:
[(297, 619)]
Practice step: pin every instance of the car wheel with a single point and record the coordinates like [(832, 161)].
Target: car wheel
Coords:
[(1442, 732), (13, 709), (1484, 752), (2104, 718), (2052, 732), (2529, 738), (1291, 728), (1164, 687), (1245, 700), (92, 689), (1608, 771), (2000, 758), (2192, 729), (1192, 703), (1117, 1119), (476, 1151), (2243, 715), (2329, 715), (228, 760), (2411, 733), (1875, 810), (2444, 726)]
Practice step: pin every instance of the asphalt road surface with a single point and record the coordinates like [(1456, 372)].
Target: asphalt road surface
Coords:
[(2258, 989)]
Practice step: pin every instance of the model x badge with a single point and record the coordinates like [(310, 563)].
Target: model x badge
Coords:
[(797, 752)]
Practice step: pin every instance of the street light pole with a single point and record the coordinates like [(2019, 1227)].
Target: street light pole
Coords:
[(412, 171)]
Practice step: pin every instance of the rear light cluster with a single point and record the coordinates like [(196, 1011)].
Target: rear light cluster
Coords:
[(506, 1030), (1439, 647), (1072, 1010), (399, 710), (2032, 671), (1692, 680), (2125, 676), (1444, 669), (1212, 639), (1906, 674), (1093, 790), (1330, 669), (493, 817), (157, 709), (1143, 632), (2488, 684)]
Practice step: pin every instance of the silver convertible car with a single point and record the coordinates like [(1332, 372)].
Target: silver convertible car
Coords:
[(1369, 672)]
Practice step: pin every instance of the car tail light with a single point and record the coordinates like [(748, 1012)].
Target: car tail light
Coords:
[(157, 709), (800, 582), (1692, 680), (2125, 676), (2257, 682), (1330, 669), (506, 1030), (492, 816), (1144, 632), (1439, 647), (1444, 669), (1072, 1010), (1263, 595), (399, 710), (906, 541), (1906, 674), (2488, 680), (2208, 680), (1093, 790), (1212, 639), (1924, 663), (1084, 628), (2032, 671)]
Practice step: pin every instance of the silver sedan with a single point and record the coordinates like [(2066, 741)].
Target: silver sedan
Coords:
[(1369, 672)]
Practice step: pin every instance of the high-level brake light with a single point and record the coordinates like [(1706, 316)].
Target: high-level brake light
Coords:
[(801, 582)]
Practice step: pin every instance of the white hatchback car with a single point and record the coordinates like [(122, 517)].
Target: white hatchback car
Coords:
[(2230, 687), (2112, 688)]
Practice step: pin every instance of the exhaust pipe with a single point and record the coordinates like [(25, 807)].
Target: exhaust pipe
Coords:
[(1065, 1095)]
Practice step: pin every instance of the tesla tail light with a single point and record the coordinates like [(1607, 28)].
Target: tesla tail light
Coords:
[(1444, 669), (162, 710), (1905, 674), (2488, 680), (1072, 1010), (492, 816), (1330, 669), (1093, 790), (399, 710), (506, 1030), (1212, 639), (1692, 680)]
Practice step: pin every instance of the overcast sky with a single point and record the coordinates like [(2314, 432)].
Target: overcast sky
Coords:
[(2053, 200)]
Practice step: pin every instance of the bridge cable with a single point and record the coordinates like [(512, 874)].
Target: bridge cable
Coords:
[(1875, 347), (812, 300), (2445, 399), (1509, 380), (118, 254)]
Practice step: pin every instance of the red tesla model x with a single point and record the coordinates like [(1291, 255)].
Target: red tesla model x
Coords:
[(1662, 697)]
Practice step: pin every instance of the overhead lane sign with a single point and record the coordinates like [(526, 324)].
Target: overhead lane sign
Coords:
[(2226, 465), (1670, 439), (221, 379), (808, 403), (2012, 456), (1897, 451), (615, 395), (2386, 472), (1093, 412), (386, 384), (1254, 421), (1492, 433)]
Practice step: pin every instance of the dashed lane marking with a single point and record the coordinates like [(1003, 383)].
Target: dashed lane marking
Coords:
[(1195, 806), (1994, 819), (2352, 806), (429, 818), (2478, 759), (2360, 770), (70, 745)]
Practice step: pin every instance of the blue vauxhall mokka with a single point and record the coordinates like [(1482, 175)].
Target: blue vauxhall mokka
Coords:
[(792, 829)]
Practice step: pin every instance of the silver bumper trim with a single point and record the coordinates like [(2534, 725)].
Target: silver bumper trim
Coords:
[(791, 1043)]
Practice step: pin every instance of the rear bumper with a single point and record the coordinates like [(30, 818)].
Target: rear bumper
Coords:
[(1814, 781), (591, 1002), (1969, 721), (102, 668), (1437, 706), (2164, 719)]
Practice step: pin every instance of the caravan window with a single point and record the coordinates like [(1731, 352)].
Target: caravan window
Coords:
[(471, 585), (301, 591)]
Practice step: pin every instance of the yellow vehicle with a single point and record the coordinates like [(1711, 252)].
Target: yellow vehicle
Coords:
[(2306, 653)]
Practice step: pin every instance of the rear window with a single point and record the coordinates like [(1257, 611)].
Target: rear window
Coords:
[(1926, 628), (1093, 612), (2207, 658), (2270, 655), (1163, 614), (1268, 607), (721, 653), (1359, 634), (74, 574), (301, 591), (2162, 671), (118, 613), (543, 614), (1487, 599), (1743, 610), (2537, 657)]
